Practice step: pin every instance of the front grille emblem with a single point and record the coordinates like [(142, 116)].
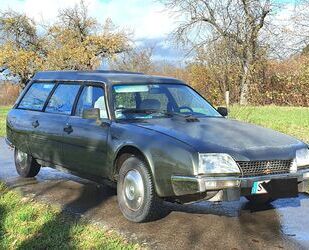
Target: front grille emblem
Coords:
[(267, 169)]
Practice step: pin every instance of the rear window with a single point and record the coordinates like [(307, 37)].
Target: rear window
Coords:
[(36, 96)]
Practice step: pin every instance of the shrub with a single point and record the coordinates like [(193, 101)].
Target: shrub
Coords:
[(8, 93)]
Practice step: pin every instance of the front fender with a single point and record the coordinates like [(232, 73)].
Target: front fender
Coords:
[(165, 155)]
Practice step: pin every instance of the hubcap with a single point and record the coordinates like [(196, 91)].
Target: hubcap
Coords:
[(21, 158), (133, 190)]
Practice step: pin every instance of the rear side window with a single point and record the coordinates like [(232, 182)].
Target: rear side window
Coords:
[(62, 99), (36, 96)]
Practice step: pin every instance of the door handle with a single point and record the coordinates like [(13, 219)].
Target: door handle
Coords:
[(68, 128), (35, 124)]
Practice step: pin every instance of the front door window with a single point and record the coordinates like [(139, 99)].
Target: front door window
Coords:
[(92, 97)]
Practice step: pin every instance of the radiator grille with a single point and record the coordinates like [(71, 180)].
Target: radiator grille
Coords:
[(258, 168)]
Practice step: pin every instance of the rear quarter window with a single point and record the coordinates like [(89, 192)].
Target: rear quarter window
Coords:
[(36, 96)]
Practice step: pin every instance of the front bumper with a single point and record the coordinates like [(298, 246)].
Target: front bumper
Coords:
[(231, 188)]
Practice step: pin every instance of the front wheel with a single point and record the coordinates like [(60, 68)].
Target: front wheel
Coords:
[(136, 193), (25, 164)]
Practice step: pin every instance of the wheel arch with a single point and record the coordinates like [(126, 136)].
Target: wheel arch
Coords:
[(123, 153)]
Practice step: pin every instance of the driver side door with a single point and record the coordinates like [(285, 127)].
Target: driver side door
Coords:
[(85, 142)]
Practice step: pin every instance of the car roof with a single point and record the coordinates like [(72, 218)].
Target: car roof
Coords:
[(109, 77)]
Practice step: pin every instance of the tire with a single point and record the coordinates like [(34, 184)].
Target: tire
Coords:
[(261, 199), (136, 193), (25, 164)]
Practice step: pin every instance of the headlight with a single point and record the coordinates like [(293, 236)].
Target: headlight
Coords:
[(217, 164), (302, 157)]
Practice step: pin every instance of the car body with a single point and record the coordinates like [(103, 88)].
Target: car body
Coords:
[(90, 122)]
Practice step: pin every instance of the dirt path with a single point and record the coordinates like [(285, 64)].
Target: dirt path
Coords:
[(204, 225)]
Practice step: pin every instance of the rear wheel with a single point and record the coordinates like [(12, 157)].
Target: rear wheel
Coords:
[(136, 193), (25, 164), (260, 199)]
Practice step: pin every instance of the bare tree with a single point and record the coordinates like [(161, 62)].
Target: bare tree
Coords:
[(77, 19), (238, 22), (139, 60), (221, 65), (301, 24)]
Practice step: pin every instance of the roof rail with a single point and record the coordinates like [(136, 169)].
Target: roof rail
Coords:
[(116, 72), (92, 71)]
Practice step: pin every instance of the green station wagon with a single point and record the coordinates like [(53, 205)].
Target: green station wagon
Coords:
[(155, 138)]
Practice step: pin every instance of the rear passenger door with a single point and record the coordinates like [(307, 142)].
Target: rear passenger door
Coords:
[(54, 120), (46, 138), (85, 146)]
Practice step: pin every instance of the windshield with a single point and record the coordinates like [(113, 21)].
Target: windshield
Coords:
[(149, 101)]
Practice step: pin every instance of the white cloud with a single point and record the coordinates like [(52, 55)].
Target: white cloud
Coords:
[(147, 19)]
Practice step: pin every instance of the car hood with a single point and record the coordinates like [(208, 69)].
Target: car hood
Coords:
[(242, 140)]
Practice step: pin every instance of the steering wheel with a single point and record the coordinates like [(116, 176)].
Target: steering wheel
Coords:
[(186, 107)]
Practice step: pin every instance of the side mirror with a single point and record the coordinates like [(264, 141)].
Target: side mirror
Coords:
[(93, 113), (222, 111)]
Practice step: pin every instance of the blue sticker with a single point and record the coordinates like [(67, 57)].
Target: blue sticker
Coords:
[(255, 188)]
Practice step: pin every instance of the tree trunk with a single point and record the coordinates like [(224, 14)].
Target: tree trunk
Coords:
[(23, 82), (244, 85)]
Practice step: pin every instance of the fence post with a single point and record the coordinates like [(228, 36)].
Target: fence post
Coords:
[(227, 98)]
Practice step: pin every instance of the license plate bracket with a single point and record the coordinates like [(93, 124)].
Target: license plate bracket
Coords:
[(276, 188)]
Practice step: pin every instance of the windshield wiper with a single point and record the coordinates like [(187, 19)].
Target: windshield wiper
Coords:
[(158, 111), (187, 117), (171, 113)]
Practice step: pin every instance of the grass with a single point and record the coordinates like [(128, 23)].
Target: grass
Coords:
[(3, 112), (289, 120), (26, 224)]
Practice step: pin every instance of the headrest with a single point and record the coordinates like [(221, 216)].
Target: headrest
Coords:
[(150, 104)]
